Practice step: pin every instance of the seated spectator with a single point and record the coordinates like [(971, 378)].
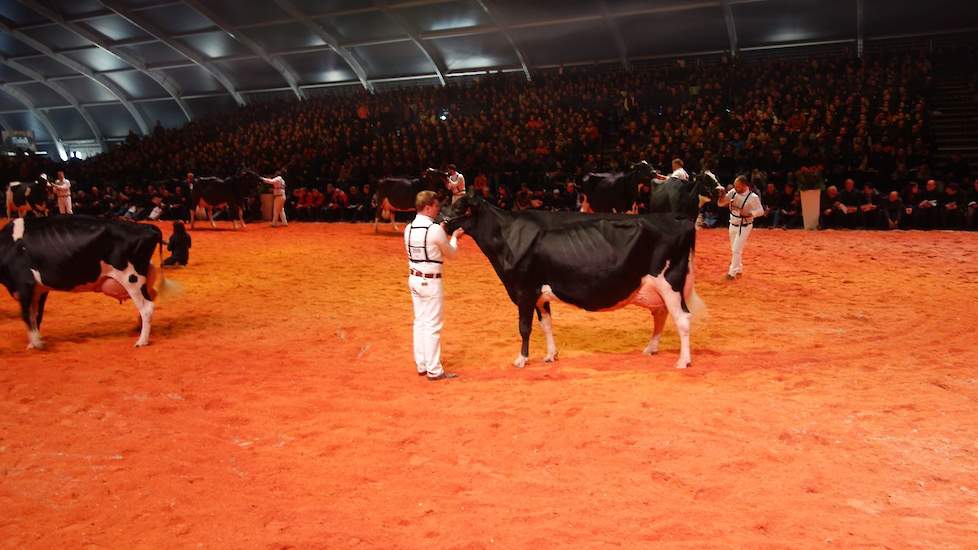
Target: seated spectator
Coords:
[(849, 201), (771, 201), (911, 197), (953, 207), (972, 204), (870, 216), (928, 214), (335, 202), (789, 213), (524, 198), (833, 211), (503, 199), (357, 205), (895, 213)]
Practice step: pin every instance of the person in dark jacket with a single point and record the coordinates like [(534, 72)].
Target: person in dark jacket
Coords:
[(869, 208), (895, 213), (953, 207), (928, 213), (179, 246)]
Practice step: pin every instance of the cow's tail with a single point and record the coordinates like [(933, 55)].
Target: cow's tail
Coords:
[(165, 288)]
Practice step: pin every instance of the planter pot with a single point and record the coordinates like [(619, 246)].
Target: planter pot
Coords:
[(811, 204), (266, 206)]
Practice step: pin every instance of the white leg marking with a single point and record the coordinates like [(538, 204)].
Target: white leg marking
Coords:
[(673, 301), (546, 323), (144, 306), (18, 229), (520, 361)]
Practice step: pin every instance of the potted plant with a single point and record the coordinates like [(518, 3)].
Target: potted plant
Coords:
[(810, 183), (265, 194)]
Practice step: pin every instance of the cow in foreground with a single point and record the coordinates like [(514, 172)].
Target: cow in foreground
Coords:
[(396, 194), (615, 192), (211, 192), (24, 197), (597, 262), (79, 254)]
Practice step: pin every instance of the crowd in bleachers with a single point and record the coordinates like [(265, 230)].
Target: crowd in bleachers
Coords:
[(524, 144)]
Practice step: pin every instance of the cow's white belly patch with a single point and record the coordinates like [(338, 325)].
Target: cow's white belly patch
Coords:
[(107, 282)]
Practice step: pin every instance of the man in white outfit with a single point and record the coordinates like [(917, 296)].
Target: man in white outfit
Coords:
[(278, 199), (744, 205), (427, 246), (456, 183), (62, 190), (677, 172)]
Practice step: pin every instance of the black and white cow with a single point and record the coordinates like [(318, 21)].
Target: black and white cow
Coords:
[(614, 191), (79, 254), (27, 197), (397, 194), (211, 192), (594, 261), (683, 198)]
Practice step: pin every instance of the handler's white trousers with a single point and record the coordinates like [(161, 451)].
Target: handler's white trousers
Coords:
[(64, 205), (738, 240), (278, 211), (427, 296)]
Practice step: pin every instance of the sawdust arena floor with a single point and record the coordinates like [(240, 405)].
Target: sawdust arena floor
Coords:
[(832, 401)]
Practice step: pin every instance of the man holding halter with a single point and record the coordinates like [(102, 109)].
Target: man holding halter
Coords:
[(744, 205), (427, 245)]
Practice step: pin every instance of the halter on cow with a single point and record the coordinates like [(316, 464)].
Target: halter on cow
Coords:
[(396, 194), (594, 261)]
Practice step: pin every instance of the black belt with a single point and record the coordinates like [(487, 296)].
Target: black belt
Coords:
[(417, 273)]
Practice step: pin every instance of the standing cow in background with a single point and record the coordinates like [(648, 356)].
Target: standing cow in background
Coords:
[(614, 191), (396, 194), (210, 192), (23, 198), (79, 254), (597, 262), (683, 197)]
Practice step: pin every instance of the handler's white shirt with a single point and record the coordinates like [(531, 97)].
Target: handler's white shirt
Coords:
[(744, 207), (456, 185), (62, 188), (278, 185), (680, 173), (426, 243)]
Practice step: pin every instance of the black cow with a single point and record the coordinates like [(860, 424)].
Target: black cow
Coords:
[(396, 194), (683, 197), (23, 198), (594, 261), (211, 192), (614, 191), (79, 254)]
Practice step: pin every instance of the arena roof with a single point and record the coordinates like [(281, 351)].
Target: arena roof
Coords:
[(82, 73)]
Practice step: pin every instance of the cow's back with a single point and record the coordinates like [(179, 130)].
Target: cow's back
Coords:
[(399, 192)]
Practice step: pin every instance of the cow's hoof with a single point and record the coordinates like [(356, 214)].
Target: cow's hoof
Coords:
[(650, 350), (682, 364), (550, 358), (141, 344), (520, 361), (35, 345)]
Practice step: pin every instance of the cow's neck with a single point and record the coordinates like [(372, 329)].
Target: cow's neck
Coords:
[(488, 234)]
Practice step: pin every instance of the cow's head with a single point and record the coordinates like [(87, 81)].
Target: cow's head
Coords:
[(463, 212), (642, 170), (705, 183), (434, 179)]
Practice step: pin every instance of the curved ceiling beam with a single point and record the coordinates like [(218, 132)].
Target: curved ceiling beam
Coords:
[(40, 116), (165, 82), (150, 28), (64, 93), (106, 83), (612, 25), (485, 5), (436, 61), (317, 29), (287, 73), (728, 20)]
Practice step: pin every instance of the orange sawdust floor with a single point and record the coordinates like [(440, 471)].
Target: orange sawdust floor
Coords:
[(833, 400)]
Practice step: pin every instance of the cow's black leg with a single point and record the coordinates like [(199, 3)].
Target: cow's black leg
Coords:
[(42, 299), (28, 312), (526, 326)]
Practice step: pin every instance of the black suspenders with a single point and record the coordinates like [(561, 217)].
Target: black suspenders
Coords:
[(742, 205), (423, 247)]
